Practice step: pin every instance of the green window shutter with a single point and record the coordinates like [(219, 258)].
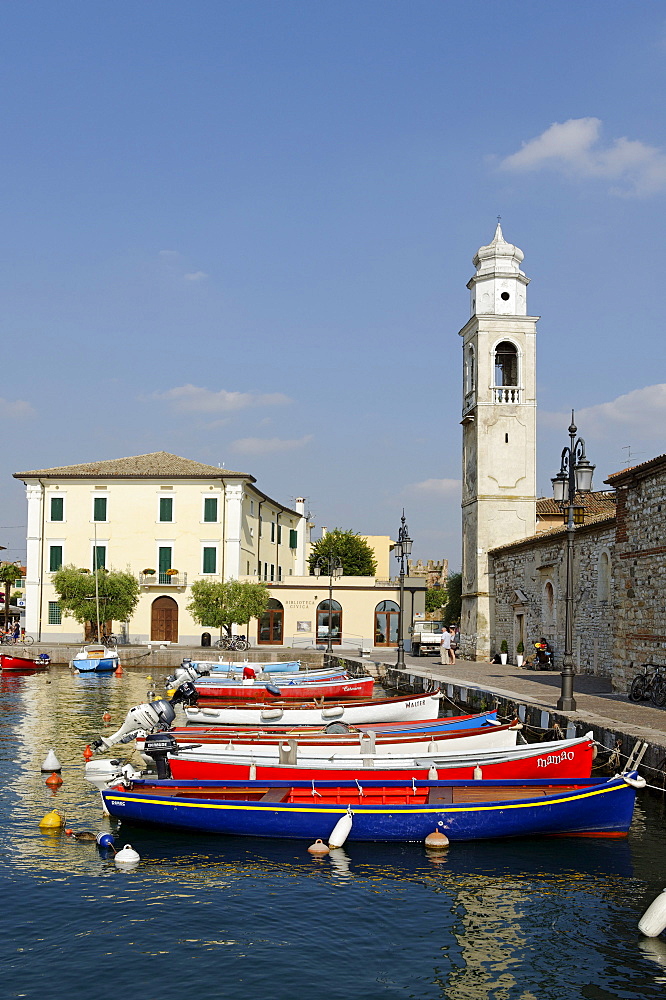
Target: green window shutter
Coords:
[(99, 557), (293, 538), (55, 613), (57, 508), (99, 509), (165, 559), (166, 510), (279, 538), (55, 558), (210, 509), (209, 559)]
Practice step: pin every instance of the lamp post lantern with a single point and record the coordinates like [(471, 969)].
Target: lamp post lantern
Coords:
[(331, 566), (402, 549), (575, 476)]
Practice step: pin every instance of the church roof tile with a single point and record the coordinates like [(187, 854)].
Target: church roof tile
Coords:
[(155, 465)]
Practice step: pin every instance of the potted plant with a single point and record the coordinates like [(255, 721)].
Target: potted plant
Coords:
[(149, 572), (504, 651), (172, 572), (520, 649)]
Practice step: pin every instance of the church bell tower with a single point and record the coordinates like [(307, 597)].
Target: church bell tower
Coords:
[(499, 430)]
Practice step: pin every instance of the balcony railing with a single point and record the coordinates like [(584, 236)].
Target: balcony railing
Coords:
[(163, 579), (506, 394)]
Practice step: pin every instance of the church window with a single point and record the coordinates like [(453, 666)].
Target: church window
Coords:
[(470, 373), (548, 609), (506, 364), (603, 578)]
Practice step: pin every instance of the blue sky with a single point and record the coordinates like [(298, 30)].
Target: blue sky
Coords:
[(241, 232)]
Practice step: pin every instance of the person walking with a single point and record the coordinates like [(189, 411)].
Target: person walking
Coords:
[(452, 645), (445, 646)]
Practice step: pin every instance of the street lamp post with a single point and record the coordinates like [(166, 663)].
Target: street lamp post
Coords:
[(331, 566), (575, 476), (401, 550)]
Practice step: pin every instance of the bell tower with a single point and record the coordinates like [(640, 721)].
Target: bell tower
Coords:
[(499, 430)]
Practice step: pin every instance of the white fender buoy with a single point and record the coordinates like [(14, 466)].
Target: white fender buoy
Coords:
[(340, 831), (653, 921), (253, 772), (51, 762), (478, 773), (634, 779), (432, 773), (127, 857)]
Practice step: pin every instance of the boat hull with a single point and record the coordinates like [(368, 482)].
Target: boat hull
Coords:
[(95, 660), (510, 808), (572, 759), (256, 690), (405, 709), (21, 663)]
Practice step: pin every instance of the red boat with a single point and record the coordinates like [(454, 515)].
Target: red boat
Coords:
[(350, 687), (21, 663), (566, 759)]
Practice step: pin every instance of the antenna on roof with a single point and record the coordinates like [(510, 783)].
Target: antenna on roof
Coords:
[(631, 454)]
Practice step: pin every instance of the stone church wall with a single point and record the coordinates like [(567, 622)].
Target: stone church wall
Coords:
[(530, 583)]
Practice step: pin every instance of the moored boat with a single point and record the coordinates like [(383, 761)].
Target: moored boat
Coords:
[(95, 658), (382, 810), (407, 708), (23, 663), (353, 687), (567, 759)]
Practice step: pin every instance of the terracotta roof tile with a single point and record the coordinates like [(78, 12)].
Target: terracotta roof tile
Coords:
[(601, 502), (157, 464)]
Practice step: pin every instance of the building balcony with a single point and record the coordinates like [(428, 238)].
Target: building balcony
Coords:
[(163, 580), (507, 394)]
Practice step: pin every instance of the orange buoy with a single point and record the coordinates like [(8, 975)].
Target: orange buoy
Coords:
[(53, 780), (87, 753), (319, 847), (437, 840), (118, 672), (107, 716)]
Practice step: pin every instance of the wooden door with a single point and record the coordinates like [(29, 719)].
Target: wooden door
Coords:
[(164, 620)]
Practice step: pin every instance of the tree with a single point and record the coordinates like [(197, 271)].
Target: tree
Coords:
[(118, 595), (9, 573), (435, 599), (355, 554), (221, 605), (453, 605)]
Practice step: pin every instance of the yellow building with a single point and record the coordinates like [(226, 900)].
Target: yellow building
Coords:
[(169, 521)]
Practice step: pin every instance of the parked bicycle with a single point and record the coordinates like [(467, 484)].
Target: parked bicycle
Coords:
[(8, 639), (232, 642), (650, 683)]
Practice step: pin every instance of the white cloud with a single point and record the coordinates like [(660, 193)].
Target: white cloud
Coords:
[(16, 409), (436, 487), (575, 148), (266, 446), (195, 276), (196, 399), (642, 411)]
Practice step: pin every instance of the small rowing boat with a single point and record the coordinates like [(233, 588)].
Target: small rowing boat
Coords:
[(251, 690), (403, 709), (95, 659), (382, 810), (23, 664)]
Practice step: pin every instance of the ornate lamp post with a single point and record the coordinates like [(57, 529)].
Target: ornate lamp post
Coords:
[(575, 476), (331, 566), (401, 550)]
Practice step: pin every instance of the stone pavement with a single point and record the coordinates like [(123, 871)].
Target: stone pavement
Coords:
[(596, 703)]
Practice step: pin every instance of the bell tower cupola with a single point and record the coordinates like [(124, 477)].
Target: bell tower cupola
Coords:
[(499, 430)]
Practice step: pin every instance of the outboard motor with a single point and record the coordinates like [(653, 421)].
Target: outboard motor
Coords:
[(158, 746), (186, 695), (152, 716)]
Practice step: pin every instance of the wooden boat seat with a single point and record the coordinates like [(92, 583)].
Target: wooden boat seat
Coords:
[(275, 795), (437, 796), (484, 794)]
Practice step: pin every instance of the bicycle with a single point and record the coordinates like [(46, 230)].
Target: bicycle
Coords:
[(7, 639), (650, 683), (237, 642), (110, 640)]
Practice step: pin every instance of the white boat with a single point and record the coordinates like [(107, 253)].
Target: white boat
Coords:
[(300, 676), (310, 750), (95, 659), (405, 709), (265, 667)]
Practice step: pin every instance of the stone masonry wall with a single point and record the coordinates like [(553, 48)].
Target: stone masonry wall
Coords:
[(523, 577)]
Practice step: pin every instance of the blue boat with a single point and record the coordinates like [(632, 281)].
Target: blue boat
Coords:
[(382, 810), (282, 666), (95, 659)]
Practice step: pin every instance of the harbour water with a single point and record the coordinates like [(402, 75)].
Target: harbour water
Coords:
[(224, 917)]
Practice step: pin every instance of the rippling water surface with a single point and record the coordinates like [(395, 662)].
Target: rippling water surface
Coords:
[(206, 917)]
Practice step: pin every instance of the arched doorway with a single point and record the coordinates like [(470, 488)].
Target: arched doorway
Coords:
[(271, 625), (387, 621), (329, 622), (164, 620)]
